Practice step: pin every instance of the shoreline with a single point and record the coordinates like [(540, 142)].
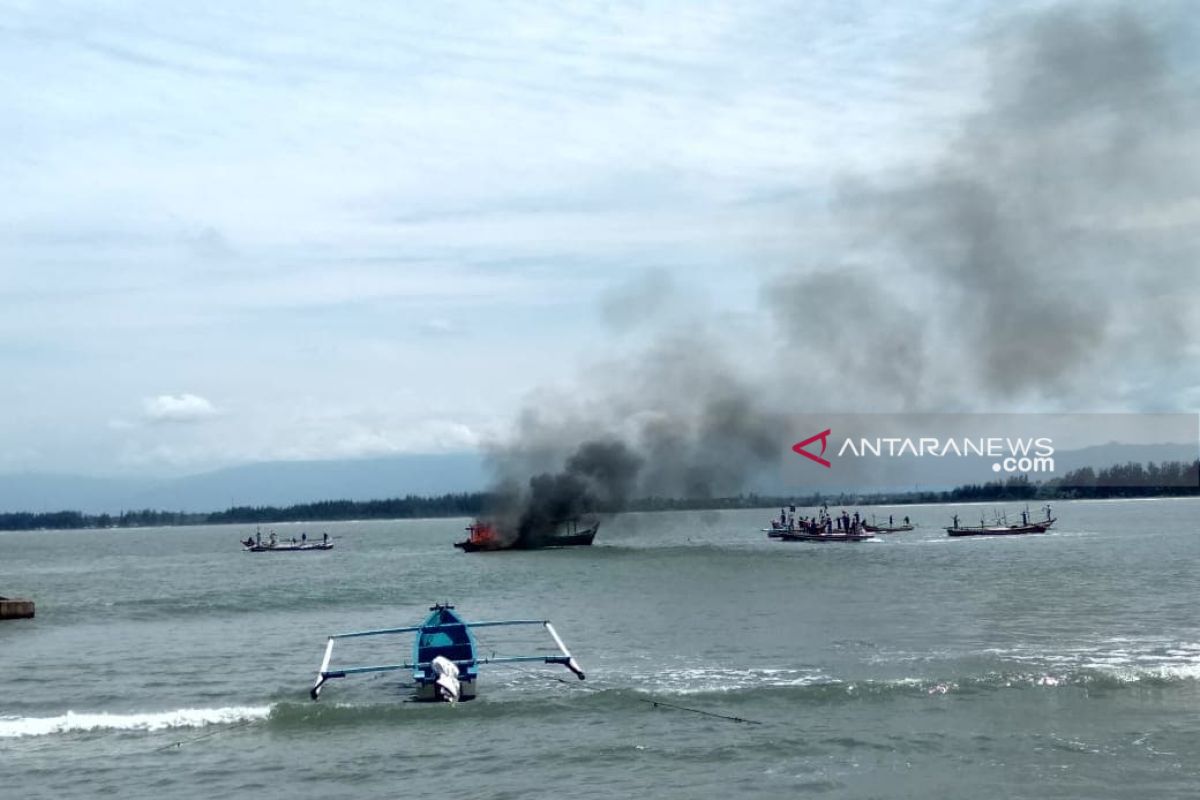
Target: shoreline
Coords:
[(715, 506)]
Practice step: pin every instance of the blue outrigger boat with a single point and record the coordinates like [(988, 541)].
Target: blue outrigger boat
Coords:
[(445, 664)]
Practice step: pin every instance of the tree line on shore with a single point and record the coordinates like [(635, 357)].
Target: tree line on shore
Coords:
[(1168, 479)]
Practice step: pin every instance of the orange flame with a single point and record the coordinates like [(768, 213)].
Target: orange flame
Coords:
[(483, 533)]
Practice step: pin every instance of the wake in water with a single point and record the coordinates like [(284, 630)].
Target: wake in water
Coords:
[(72, 722), (1115, 665)]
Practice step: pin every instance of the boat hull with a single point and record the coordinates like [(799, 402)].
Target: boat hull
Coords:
[(287, 548), (1002, 530), (825, 537), (428, 693), (888, 528), (582, 539), (445, 634)]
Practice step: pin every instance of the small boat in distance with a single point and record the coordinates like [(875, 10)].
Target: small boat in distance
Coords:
[(445, 663), (887, 528), (298, 547), (1001, 527), (255, 544), (890, 527), (482, 537)]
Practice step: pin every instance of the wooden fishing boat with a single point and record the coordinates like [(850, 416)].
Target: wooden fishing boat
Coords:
[(1000, 530), (1001, 526), (482, 537), (887, 528), (798, 536), (813, 530), (445, 662), (258, 546), (779, 532)]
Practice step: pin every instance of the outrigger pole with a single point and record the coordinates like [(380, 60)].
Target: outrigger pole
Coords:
[(566, 659), (324, 673)]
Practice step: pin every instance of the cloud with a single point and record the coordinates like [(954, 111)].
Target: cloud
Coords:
[(343, 204), (178, 408)]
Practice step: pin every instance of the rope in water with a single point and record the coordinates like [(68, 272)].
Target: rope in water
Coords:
[(191, 739), (648, 700), (657, 703)]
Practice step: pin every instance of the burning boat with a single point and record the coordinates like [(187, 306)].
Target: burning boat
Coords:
[(486, 537)]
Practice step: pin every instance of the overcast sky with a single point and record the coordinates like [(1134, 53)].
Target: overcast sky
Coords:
[(248, 231)]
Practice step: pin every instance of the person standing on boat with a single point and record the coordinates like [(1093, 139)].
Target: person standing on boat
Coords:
[(325, 537), (1025, 517), (906, 520), (955, 520)]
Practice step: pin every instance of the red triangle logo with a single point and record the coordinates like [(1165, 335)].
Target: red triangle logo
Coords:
[(824, 437)]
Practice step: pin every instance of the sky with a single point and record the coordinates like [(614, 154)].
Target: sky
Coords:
[(238, 232)]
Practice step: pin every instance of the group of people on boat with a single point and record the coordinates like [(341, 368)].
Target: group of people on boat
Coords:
[(824, 523), (273, 539)]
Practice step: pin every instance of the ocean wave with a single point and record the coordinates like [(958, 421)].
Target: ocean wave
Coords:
[(818, 690), (718, 690), (718, 680), (78, 722)]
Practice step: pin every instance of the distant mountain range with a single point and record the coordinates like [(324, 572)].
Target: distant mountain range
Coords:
[(287, 483), (280, 483)]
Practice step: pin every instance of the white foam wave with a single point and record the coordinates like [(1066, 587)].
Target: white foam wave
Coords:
[(1163, 672), (72, 722), (704, 680)]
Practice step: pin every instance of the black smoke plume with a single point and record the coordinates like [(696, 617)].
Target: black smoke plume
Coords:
[(1048, 259)]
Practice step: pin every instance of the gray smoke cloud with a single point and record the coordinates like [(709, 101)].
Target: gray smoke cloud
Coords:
[(1053, 240), (1048, 256)]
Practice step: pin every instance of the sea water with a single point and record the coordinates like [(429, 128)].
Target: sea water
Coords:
[(166, 662)]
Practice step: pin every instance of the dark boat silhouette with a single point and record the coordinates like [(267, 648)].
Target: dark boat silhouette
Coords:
[(482, 538), (887, 528), (1001, 528)]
